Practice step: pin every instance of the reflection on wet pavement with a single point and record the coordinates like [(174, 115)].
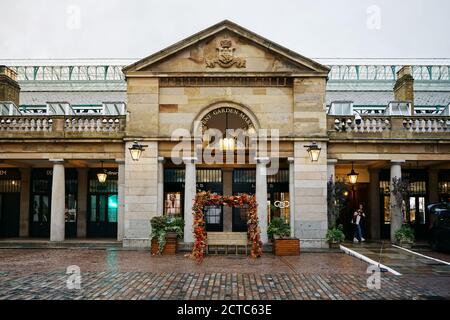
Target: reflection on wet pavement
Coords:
[(400, 260)]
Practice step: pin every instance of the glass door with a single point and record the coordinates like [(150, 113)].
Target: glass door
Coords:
[(417, 216), (10, 185), (40, 207), (244, 181), (102, 206), (102, 215)]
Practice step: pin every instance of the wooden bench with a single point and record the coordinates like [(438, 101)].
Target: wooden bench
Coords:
[(226, 239)]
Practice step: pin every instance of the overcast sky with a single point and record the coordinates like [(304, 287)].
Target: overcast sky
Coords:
[(49, 29)]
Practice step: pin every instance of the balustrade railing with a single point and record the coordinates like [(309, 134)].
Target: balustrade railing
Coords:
[(369, 123), (68, 124), (26, 124), (427, 124), (417, 126), (95, 123)]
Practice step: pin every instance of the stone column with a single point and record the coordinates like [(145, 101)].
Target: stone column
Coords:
[(291, 196), (433, 185), (160, 202), (57, 218), (374, 203), (82, 202), (396, 211), (120, 199), (261, 195), (24, 202), (331, 169), (190, 190)]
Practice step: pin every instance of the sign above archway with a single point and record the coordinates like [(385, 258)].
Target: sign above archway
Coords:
[(223, 118)]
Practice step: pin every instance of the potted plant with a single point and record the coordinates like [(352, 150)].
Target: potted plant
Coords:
[(336, 201), (165, 231), (335, 236), (405, 236), (283, 245)]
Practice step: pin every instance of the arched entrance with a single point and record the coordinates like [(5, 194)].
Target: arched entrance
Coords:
[(235, 124)]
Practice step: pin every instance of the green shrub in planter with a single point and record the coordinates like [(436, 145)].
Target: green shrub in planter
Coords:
[(278, 228), (404, 235), (164, 225), (335, 234)]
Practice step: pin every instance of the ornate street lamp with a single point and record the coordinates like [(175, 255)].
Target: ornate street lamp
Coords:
[(313, 151), (353, 176), (101, 176), (136, 150)]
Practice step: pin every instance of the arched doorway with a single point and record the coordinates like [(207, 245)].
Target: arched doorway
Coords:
[(236, 124)]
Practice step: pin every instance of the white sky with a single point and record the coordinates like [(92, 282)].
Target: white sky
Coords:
[(50, 29)]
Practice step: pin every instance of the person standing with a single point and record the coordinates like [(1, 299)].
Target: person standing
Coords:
[(358, 215)]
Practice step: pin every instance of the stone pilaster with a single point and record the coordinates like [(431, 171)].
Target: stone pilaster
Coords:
[(433, 185), (396, 211), (227, 181), (190, 190), (142, 107), (141, 195), (374, 204), (261, 195), (310, 118), (160, 203), (331, 169), (82, 202), (120, 199), (292, 195), (24, 202), (311, 219), (57, 218)]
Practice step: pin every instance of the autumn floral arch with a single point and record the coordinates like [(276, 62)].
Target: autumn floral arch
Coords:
[(203, 199)]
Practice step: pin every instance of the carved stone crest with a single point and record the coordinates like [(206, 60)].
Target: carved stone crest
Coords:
[(225, 56)]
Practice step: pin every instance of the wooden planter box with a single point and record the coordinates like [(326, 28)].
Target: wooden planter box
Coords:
[(169, 249), (286, 247), (334, 245)]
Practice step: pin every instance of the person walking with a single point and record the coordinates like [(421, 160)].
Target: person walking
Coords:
[(357, 221)]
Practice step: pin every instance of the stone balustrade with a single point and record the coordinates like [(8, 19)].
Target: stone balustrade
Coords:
[(26, 124), (35, 126), (389, 127), (427, 124), (362, 124), (95, 123)]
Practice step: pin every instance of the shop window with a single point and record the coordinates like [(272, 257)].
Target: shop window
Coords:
[(209, 176), (279, 206), (172, 204), (174, 175), (213, 214), (9, 186), (244, 176)]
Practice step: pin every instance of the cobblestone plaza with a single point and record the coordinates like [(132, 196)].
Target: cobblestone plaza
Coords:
[(118, 274)]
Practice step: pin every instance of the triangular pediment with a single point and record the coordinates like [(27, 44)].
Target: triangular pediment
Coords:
[(227, 47)]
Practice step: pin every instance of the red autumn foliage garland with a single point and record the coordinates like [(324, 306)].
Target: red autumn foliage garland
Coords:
[(203, 199)]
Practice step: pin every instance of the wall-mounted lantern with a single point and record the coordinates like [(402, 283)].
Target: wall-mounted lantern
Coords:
[(136, 150), (313, 151)]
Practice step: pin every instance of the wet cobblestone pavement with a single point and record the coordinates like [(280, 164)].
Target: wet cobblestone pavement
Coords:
[(118, 274)]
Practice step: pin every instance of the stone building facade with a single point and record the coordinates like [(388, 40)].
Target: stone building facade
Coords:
[(224, 77)]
